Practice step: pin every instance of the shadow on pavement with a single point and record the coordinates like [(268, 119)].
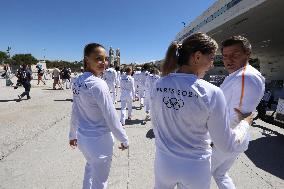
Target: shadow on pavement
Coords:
[(271, 120), (15, 100), (48, 89), (53, 89), (134, 122), (134, 108), (71, 100), (267, 153), (150, 134)]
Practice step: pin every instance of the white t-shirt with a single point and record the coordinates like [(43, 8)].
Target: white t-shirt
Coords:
[(185, 110), (127, 87), (110, 76), (150, 81), (142, 79), (93, 112), (56, 72)]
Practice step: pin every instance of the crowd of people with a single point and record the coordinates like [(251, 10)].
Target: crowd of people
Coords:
[(200, 129), (61, 78), (134, 85)]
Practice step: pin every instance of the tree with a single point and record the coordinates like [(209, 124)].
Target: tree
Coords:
[(20, 59), (74, 66), (3, 57)]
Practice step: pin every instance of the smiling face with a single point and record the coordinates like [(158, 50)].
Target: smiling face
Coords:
[(96, 61), (235, 57)]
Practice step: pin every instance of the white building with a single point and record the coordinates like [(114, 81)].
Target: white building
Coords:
[(261, 21)]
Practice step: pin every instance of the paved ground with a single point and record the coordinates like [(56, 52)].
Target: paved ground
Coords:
[(34, 151)]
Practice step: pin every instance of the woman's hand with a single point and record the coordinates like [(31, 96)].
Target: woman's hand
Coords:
[(122, 147), (73, 143), (247, 116)]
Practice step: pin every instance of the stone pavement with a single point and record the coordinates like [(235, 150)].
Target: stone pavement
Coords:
[(35, 154)]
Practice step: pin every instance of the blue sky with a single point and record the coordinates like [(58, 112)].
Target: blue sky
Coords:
[(142, 29)]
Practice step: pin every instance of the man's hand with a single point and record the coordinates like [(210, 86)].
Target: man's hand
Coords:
[(122, 147), (73, 143), (247, 116)]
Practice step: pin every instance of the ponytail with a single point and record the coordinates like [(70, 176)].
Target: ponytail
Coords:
[(179, 54), (171, 60)]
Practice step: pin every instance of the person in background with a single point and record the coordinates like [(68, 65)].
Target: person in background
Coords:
[(40, 72), (65, 75), (25, 77), (153, 76), (118, 74), (56, 78), (141, 83), (136, 81), (110, 77), (127, 94), (7, 75)]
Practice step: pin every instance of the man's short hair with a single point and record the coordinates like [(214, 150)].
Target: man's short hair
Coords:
[(244, 42), (128, 69)]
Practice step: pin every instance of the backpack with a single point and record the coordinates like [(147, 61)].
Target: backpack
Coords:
[(25, 76), (66, 73)]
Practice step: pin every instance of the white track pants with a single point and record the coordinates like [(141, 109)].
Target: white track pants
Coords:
[(185, 174), (147, 102), (125, 103), (112, 90), (136, 90), (98, 154), (141, 95), (66, 83), (221, 163)]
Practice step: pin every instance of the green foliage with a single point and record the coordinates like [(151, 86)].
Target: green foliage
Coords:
[(75, 66), (28, 59), (3, 57), (20, 59)]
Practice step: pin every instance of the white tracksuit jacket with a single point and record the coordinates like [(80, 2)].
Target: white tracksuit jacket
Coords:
[(187, 113), (250, 84), (94, 121), (150, 81), (127, 96), (110, 76), (127, 87)]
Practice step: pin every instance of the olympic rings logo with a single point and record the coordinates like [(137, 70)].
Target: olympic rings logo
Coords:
[(173, 103)]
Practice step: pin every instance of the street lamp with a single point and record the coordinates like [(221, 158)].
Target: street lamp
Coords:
[(43, 53), (8, 51)]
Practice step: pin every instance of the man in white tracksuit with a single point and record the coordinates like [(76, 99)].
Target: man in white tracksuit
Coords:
[(127, 95), (243, 89), (118, 75), (141, 85), (110, 77), (150, 81), (136, 81)]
